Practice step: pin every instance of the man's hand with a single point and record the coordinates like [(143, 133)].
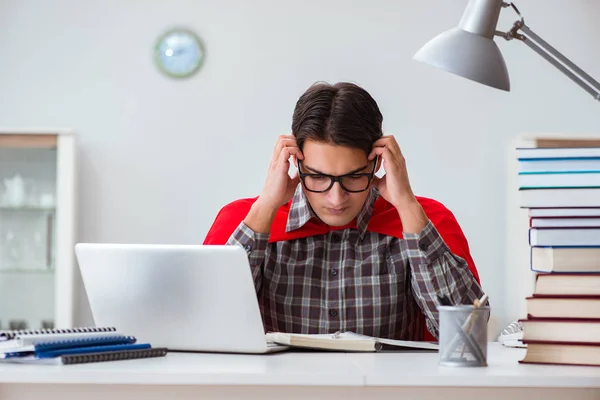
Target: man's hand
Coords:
[(394, 186), (279, 187)]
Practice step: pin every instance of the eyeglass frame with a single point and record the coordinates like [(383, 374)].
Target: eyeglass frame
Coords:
[(338, 178)]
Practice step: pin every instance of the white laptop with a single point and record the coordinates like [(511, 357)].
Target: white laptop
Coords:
[(183, 297)]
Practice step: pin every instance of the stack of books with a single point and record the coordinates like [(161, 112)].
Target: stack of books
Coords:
[(72, 346), (560, 187)]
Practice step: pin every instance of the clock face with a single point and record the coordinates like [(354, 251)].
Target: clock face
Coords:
[(179, 53)]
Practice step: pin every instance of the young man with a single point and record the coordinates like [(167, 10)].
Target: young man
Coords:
[(336, 248)]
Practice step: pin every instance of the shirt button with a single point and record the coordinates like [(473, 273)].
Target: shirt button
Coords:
[(333, 313), (335, 237), (334, 272), (424, 246), (248, 248)]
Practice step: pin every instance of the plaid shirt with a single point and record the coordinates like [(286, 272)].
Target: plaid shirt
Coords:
[(352, 279)]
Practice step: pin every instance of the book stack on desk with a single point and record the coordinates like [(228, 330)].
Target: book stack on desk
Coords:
[(563, 320), (72, 346), (561, 188)]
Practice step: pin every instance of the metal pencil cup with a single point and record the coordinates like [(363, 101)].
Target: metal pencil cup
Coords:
[(463, 336)]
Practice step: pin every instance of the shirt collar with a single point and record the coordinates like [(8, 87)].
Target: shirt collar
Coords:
[(301, 212)]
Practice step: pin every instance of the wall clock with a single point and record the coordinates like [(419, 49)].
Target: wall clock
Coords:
[(179, 53)]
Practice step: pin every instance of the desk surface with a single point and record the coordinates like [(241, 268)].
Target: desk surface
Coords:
[(311, 369)]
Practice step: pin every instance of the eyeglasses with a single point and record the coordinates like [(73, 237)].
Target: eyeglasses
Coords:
[(320, 183)]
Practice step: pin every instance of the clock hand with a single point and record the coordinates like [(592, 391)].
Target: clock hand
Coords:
[(178, 52)]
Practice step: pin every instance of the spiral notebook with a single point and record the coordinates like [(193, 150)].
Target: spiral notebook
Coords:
[(10, 340), (68, 359), (9, 335)]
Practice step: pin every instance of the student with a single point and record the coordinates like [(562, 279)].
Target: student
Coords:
[(335, 248)]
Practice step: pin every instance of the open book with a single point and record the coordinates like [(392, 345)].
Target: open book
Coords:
[(345, 341)]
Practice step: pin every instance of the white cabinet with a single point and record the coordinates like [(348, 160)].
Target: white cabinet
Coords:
[(37, 228)]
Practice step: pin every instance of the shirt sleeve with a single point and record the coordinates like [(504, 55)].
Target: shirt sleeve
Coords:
[(255, 244), (436, 271)]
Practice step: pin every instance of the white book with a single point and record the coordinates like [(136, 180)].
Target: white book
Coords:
[(575, 237), (540, 198), (557, 152), (569, 179), (559, 165), (565, 259), (345, 341), (564, 212)]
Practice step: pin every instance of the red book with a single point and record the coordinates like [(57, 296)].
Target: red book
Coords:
[(561, 354), (559, 306)]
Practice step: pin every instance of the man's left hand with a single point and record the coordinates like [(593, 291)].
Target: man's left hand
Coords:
[(394, 186)]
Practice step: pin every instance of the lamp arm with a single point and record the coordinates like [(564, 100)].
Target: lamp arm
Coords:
[(561, 62), (550, 54)]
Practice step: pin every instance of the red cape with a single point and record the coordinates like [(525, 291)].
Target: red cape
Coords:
[(384, 220)]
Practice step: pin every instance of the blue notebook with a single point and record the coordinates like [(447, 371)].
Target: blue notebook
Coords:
[(68, 344), (75, 350)]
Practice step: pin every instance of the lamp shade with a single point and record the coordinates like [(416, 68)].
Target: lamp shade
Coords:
[(469, 50)]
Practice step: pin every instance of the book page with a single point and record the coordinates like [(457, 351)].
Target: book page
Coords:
[(282, 337), (274, 336), (392, 342)]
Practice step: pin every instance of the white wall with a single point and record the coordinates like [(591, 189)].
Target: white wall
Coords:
[(159, 157)]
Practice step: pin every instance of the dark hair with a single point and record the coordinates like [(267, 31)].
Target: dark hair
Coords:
[(342, 114)]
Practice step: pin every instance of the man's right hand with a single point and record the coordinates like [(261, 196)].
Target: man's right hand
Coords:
[(279, 187)]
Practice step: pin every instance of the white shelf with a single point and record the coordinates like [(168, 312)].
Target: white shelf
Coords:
[(27, 271), (28, 208)]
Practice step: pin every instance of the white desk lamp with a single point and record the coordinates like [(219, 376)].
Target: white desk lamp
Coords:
[(470, 51)]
